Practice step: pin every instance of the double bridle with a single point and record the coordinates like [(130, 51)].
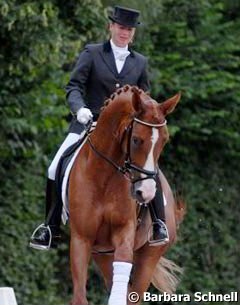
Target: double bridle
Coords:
[(128, 166)]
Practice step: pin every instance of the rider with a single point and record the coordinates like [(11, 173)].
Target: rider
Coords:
[(99, 71)]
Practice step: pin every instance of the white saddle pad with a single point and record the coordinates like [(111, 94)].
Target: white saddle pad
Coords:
[(64, 187)]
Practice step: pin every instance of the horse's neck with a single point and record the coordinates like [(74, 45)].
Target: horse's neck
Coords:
[(105, 139), (108, 129)]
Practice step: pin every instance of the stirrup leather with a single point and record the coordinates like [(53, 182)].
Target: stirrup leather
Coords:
[(41, 247), (153, 242)]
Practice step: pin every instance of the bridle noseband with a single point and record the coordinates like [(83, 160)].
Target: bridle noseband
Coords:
[(128, 166)]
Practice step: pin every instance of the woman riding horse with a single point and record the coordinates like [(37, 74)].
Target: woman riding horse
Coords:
[(100, 70)]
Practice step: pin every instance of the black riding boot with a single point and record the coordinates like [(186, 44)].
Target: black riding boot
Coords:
[(157, 211), (47, 234)]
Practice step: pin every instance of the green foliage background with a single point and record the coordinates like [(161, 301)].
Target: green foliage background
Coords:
[(193, 47)]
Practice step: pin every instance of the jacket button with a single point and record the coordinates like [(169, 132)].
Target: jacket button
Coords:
[(117, 85)]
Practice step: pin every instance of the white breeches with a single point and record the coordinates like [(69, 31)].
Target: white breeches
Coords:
[(69, 140)]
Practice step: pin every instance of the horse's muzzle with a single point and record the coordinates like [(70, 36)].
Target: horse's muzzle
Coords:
[(144, 191)]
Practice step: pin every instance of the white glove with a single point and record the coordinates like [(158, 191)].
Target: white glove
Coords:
[(84, 115)]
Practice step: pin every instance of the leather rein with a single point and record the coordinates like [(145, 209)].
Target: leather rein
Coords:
[(128, 166)]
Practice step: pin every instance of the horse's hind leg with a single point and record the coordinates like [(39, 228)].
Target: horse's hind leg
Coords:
[(80, 256), (145, 261)]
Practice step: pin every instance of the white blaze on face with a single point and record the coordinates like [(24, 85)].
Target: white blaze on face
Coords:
[(148, 186)]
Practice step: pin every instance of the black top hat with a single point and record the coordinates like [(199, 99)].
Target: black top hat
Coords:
[(125, 16)]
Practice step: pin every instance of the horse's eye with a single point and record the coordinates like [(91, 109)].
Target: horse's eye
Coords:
[(137, 141)]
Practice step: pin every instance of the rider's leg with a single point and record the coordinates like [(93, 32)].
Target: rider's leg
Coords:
[(45, 235), (157, 212)]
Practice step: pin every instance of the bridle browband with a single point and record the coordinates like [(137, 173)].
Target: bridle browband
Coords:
[(128, 166), (151, 124)]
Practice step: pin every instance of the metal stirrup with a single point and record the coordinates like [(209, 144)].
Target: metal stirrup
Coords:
[(150, 233), (50, 237)]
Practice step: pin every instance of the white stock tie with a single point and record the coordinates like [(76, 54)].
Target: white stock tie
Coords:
[(121, 55)]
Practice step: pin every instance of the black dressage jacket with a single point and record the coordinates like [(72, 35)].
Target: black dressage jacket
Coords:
[(95, 78)]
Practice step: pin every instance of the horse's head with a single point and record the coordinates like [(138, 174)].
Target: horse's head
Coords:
[(145, 138), (138, 124)]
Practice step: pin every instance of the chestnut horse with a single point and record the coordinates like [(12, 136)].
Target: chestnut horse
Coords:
[(115, 169)]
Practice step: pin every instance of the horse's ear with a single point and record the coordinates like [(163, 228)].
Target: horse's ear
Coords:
[(136, 99), (169, 105)]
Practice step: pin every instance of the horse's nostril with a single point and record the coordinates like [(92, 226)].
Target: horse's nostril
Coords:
[(139, 193), (139, 196)]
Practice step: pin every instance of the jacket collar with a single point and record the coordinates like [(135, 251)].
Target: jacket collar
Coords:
[(107, 48), (108, 58)]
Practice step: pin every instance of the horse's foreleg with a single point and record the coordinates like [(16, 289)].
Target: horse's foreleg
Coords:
[(105, 264), (80, 256), (145, 261), (123, 241)]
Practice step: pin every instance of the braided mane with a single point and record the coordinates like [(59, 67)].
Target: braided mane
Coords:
[(125, 88)]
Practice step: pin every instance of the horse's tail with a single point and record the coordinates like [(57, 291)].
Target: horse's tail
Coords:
[(179, 208), (166, 276)]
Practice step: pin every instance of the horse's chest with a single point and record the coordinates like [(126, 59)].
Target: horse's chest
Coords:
[(103, 237), (111, 219)]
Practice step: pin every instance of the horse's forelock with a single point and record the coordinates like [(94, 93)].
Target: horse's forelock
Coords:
[(151, 111)]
